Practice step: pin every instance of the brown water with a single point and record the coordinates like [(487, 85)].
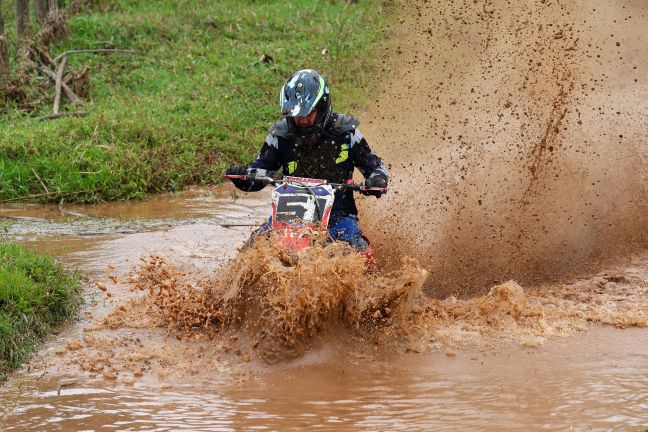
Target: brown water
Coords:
[(472, 373), (595, 382)]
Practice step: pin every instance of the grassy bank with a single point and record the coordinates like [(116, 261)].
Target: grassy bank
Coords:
[(195, 98), (36, 295)]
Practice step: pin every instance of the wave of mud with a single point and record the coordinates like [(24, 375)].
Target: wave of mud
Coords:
[(509, 313), (272, 306), (280, 303)]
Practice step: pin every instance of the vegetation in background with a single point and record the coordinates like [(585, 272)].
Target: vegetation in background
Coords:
[(36, 294), (199, 95)]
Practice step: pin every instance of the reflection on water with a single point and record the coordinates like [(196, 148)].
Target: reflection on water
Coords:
[(598, 382), (199, 205)]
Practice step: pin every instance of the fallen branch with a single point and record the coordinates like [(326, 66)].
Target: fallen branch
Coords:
[(68, 92), (64, 114), (65, 383), (44, 56), (99, 50), (57, 86)]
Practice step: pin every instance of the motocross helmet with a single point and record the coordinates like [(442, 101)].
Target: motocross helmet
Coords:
[(305, 91)]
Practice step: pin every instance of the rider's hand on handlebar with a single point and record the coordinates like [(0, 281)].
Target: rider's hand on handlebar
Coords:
[(376, 182), (236, 170)]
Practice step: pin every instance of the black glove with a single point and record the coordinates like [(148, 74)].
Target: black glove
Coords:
[(236, 170), (376, 182)]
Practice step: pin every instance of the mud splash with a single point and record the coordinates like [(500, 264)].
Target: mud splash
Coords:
[(516, 137), (508, 313), (279, 304), (265, 305)]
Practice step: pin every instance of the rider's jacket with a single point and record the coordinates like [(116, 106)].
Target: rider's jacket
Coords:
[(331, 154)]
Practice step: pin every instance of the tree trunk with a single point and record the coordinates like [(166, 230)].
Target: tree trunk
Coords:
[(53, 5), (4, 50), (41, 7), (4, 58), (22, 19), (1, 20)]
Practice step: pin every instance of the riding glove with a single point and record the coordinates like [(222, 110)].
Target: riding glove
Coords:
[(236, 170), (376, 182)]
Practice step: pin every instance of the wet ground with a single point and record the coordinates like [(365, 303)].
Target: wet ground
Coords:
[(594, 379)]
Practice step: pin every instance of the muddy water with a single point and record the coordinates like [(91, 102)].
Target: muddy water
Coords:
[(593, 380), (596, 382)]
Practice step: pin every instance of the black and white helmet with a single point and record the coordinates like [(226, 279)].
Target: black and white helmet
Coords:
[(305, 91)]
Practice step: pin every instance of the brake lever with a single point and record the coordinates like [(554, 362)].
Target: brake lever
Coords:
[(381, 190), (377, 192)]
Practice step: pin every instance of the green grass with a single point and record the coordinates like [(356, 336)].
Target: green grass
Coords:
[(36, 295), (195, 99)]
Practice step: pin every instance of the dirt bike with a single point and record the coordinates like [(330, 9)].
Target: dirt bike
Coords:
[(283, 321), (302, 206)]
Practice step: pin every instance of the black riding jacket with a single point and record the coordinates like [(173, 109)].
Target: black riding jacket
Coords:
[(331, 154)]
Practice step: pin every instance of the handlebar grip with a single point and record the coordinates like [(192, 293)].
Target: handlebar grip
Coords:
[(251, 177)]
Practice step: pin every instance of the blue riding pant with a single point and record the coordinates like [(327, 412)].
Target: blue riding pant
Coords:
[(342, 226)]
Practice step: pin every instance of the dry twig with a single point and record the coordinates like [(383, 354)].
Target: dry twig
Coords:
[(40, 181), (68, 92), (58, 84), (64, 114), (44, 56)]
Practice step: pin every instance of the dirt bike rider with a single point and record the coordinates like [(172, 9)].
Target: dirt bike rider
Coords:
[(312, 141)]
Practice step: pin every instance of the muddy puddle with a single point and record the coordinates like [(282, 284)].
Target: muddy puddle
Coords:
[(515, 359), (593, 382)]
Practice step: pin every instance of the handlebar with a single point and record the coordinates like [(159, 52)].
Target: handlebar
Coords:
[(267, 177)]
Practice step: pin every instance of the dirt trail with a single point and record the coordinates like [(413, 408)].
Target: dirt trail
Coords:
[(516, 136)]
